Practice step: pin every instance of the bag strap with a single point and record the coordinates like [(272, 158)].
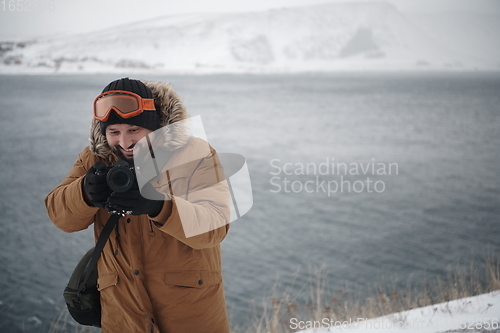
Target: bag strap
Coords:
[(103, 238)]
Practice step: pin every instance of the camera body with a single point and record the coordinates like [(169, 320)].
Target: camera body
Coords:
[(120, 177)]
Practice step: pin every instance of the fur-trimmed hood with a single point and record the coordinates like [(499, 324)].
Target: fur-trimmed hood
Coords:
[(170, 108)]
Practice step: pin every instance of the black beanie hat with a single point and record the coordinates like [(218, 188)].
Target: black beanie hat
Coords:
[(147, 119)]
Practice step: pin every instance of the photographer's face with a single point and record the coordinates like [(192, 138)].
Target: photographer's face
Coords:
[(123, 137)]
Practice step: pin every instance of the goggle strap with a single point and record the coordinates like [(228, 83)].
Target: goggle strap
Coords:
[(148, 104)]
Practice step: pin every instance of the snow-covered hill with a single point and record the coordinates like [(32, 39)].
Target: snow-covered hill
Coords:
[(335, 36), (477, 314)]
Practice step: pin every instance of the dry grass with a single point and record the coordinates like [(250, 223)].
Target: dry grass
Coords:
[(340, 305)]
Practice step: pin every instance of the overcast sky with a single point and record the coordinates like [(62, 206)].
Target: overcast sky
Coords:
[(80, 16)]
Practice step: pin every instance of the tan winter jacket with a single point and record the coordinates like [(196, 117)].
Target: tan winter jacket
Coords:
[(153, 278)]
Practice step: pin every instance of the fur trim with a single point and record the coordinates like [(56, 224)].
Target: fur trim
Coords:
[(171, 110)]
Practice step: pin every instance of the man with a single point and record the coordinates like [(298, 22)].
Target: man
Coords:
[(153, 275)]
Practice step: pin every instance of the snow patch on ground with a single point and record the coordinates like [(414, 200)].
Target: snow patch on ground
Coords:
[(477, 314)]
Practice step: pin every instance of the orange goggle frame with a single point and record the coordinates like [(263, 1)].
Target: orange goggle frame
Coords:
[(125, 103)]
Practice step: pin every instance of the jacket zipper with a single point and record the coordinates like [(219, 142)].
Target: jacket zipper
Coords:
[(151, 229)]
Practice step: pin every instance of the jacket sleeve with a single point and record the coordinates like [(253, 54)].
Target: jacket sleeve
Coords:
[(201, 218), (65, 204)]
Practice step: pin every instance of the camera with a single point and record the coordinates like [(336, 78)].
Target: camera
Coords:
[(119, 177)]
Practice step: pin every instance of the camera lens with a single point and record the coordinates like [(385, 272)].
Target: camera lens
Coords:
[(120, 178)]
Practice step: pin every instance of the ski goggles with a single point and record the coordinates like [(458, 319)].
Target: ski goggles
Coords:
[(125, 103)]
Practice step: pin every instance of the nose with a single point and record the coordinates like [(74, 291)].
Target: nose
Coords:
[(125, 141)]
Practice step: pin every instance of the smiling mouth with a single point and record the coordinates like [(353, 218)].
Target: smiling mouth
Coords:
[(128, 153)]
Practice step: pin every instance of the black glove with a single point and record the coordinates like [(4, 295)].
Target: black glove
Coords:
[(95, 184), (133, 203)]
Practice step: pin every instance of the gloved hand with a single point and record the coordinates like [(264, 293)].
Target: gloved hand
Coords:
[(95, 185), (133, 203)]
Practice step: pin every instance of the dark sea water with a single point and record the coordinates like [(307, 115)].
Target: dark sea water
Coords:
[(439, 205)]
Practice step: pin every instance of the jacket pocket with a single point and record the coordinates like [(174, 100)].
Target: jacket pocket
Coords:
[(193, 279), (106, 281)]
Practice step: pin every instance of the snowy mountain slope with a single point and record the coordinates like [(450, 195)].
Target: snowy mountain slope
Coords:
[(471, 35), (477, 314), (318, 38)]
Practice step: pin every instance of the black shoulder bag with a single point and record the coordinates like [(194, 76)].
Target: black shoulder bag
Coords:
[(81, 294)]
